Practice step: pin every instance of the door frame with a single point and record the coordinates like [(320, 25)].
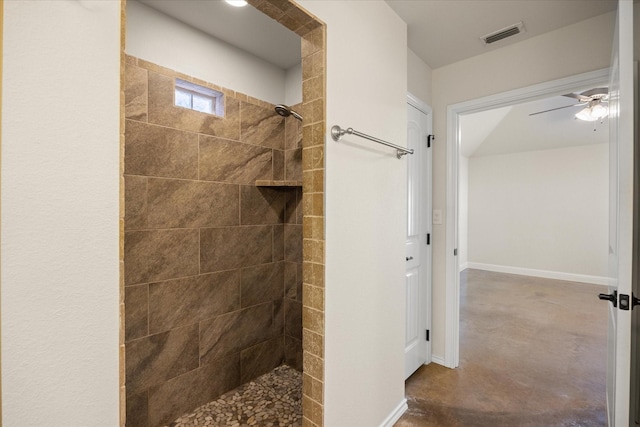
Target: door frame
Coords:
[(454, 111), (426, 251)]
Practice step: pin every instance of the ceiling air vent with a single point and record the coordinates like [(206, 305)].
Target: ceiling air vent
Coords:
[(509, 31)]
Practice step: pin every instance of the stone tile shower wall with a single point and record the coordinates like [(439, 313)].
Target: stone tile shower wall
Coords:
[(212, 262)]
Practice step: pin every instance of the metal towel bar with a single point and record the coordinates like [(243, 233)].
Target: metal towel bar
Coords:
[(337, 132)]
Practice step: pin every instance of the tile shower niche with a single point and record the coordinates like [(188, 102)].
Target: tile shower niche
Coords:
[(212, 248)]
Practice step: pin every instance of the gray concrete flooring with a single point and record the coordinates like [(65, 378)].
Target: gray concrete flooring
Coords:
[(532, 353)]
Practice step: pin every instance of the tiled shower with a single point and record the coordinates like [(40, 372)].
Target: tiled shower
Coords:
[(212, 248)]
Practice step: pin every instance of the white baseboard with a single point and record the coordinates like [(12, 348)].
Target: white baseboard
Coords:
[(438, 360), (396, 414), (558, 275), (463, 266)]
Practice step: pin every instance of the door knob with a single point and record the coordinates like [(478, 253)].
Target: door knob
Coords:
[(409, 258), (613, 298)]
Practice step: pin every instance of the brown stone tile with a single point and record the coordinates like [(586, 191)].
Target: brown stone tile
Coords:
[(233, 162), (312, 410), (313, 250), (313, 274), (313, 365), (136, 301), (278, 243), (135, 202), (317, 157), (313, 320), (260, 359), (313, 88), (188, 204), (293, 165), (293, 318), (261, 126), (262, 283), (186, 392), (293, 204), (291, 280), (153, 360), (135, 93), (234, 247), (299, 208), (313, 42), (293, 131), (307, 181), (278, 165), (313, 65), (261, 205), (313, 388), (299, 282), (278, 317), (293, 352), (162, 111), (293, 243), (192, 299), (137, 409), (313, 297), (313, 343), (156, 68), (160, 254), (158, 151), (233, 332)]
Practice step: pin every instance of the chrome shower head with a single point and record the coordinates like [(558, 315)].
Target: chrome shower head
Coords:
[(286, 111)]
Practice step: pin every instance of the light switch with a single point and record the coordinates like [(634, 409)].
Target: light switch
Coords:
[(437, 216)]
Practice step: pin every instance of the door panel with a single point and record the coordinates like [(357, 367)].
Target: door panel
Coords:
[(621, 155), (418, 256)]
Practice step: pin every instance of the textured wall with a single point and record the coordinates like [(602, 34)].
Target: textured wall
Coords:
[(552, 221), (60, 171), (213, 269)]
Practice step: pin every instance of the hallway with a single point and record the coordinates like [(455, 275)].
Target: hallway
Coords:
[(532, 353)]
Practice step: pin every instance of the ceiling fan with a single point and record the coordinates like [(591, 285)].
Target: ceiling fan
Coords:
[(594, 101)]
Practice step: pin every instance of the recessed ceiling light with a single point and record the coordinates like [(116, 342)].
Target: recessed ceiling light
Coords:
[(237, 3)]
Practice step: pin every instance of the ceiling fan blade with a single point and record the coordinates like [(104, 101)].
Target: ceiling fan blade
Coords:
[(559, 108), (580, 97)]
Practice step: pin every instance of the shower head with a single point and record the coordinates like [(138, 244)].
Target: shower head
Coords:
[(286, 111)]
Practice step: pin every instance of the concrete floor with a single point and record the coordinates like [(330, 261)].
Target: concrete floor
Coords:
[(532, 353)]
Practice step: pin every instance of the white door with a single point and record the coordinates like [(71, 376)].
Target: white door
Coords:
[(620, 217), (418, 243)]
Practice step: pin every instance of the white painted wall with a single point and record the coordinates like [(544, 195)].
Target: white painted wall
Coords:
[(60, 199), (197, 54), (419, 77), (543, 210), (365, 212), (571, 50), (463, 212)]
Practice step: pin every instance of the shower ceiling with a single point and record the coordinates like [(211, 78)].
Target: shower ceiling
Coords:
[(245, 28)]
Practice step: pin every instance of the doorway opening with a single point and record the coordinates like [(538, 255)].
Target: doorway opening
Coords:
[(454, 115), (487, 202)]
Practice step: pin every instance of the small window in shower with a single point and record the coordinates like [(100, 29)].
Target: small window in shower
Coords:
[(199, 98)]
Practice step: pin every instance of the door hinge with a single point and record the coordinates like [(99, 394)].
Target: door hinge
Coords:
[(428, 238), (455, 252), (429, 139), (627, 303), (427, 335)]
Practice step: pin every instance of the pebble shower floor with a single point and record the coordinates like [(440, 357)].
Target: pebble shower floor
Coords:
[(271, 400)]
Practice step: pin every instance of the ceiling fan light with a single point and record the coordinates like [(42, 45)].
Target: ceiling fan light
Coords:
[(585, 114), (599, 111)]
